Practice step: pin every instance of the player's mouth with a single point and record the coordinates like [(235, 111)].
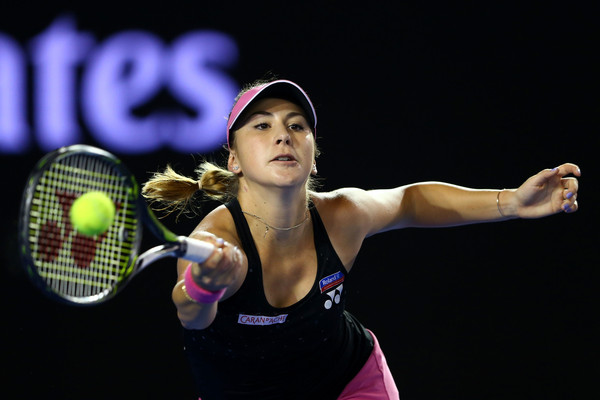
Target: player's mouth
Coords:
[(284, 158)]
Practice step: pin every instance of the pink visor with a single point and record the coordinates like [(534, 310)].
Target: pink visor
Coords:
[(284, 89)]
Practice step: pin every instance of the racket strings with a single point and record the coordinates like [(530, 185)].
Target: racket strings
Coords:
[(74, 265)]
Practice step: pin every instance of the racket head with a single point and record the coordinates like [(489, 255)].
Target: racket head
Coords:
[(66, 265)]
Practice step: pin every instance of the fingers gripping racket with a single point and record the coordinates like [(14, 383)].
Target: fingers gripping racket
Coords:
[(79, 269)]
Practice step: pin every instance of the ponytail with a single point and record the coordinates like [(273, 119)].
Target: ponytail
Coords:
[(175, 192)]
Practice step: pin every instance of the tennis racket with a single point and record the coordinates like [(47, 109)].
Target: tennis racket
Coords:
[(84, 270)]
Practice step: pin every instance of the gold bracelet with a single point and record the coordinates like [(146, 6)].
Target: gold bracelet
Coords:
[(185, 293), (498, 203)]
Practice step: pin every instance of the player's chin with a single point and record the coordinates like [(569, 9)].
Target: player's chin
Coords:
[(291, 183), (291, 176)]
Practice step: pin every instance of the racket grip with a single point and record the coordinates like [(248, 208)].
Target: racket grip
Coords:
[(195, 250)]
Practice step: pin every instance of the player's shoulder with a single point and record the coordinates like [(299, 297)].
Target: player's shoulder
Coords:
[(344, 197), (344, 202), (345, 219), (220, 222)]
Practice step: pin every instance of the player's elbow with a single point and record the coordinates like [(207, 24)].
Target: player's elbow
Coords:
[(194, 324), (194, 316)]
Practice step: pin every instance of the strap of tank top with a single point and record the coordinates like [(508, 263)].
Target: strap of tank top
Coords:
[(322, 241), (243, 231), (318, 227), (321, 237)]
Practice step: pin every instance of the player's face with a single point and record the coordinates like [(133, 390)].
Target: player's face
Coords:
[(275, 144)]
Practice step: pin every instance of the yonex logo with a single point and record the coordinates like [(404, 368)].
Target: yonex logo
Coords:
[(335, 296)]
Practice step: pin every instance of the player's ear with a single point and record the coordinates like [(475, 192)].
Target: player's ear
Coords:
[(232, 164)]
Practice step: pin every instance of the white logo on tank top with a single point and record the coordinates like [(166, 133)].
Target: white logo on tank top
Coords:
[(335, 296), (261, 320)]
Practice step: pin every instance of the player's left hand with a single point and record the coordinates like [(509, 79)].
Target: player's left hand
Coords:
[(548, 192)]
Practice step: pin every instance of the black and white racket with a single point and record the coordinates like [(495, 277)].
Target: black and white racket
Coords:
[(79, 269)]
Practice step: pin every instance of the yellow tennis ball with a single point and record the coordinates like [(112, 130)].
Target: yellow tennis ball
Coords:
[(92, 213)]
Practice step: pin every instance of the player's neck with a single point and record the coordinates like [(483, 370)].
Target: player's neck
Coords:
[(279, 216)]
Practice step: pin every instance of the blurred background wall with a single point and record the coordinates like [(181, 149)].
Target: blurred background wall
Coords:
[(477, 94)]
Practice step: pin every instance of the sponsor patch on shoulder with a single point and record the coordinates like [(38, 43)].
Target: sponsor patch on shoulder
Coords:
[(331, 281), (261, 320)]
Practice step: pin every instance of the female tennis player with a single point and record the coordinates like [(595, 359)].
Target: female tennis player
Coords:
[(264, 316)]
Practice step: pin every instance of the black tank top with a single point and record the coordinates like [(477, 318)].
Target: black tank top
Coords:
[(309, 350)]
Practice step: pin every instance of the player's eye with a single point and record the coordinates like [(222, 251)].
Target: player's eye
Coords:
[(297, 127), (261, 126)]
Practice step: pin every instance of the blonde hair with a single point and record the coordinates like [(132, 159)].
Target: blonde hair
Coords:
[(169, 191)]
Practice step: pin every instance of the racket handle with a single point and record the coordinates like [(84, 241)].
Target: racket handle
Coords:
[(195, 250)]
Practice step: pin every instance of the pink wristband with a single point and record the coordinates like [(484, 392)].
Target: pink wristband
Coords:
[(197, 293)]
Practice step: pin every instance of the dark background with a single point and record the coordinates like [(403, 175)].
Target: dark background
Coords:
[(477, 94)]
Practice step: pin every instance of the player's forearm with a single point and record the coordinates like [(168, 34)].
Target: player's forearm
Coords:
[(191, 314), (436, 204)]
